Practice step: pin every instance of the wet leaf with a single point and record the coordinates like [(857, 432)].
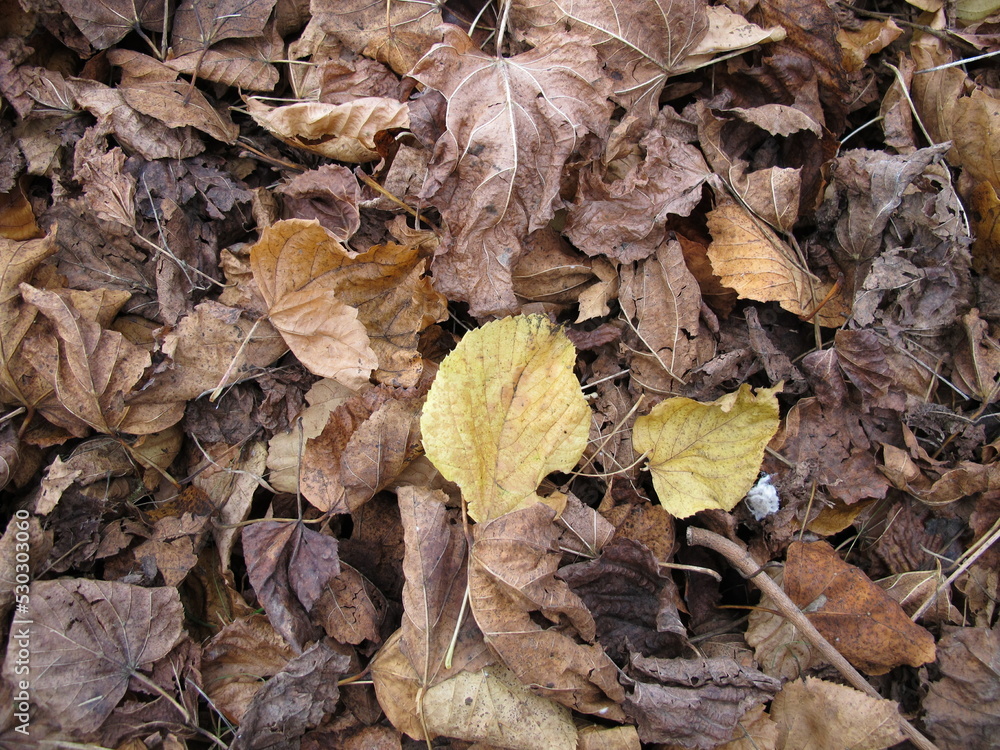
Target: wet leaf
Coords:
[(707, 455), (504, 411)]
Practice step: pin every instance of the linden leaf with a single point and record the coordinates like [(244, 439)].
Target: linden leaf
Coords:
[(707, 455), (505, 410), (751, 259)]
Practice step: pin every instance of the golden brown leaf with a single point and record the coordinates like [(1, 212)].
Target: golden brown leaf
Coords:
[(344, 132), (865, 624), (751, 259)]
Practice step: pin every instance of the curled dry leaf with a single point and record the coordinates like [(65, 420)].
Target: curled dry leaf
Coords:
[(344, 132), (18, 261), (152, 88), (92, 368), (707, 455), (88, 640), (504, 411), (236, 658), (365, 445), (813, 714), (314, 286), (866, 625), (693, 702), (751, 259), (511, 576), (512, 123), (625, 219)]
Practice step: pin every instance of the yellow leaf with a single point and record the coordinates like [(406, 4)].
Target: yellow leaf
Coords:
[(753, 260), (707, 455), (505, 410)]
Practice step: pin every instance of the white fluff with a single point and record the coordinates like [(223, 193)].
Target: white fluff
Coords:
[(762, 499)]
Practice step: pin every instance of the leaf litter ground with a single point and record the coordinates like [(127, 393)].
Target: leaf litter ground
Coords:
[(454, 374)]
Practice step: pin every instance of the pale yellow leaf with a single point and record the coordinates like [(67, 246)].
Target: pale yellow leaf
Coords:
[(506, 410), (707, 455)]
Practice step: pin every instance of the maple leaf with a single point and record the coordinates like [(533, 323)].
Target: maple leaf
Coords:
[(707, 455), (495, 174), (504, 411)]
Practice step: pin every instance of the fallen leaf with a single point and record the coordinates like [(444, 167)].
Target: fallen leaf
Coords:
[(107, 22), (862, 622), (661, 303), (492, 706), (366, 443), (915, 588), (242, 63), (329, 194), (89, 640), (93, 368), (343, 132), (152, 88), (295, 699), (860, 44), (18, 261), (750, 258), (199, 25), (813, 714), (236, 658), (504, 411), (511, 125), (707, 455), (511, 576), (642, 43), (693, 702), (289, 567), (625, 219), (984, 210), (963, 706), (17, 219)]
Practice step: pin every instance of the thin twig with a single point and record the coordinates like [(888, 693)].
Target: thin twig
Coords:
[(740, 559)]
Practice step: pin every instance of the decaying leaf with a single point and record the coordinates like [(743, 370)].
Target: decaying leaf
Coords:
[(504, 411), (693, 702), (868, 627), (89, 639), (707, 455), (511, 125)]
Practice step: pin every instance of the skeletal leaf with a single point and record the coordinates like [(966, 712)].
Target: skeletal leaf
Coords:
[(707, 455), (505, 410)]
